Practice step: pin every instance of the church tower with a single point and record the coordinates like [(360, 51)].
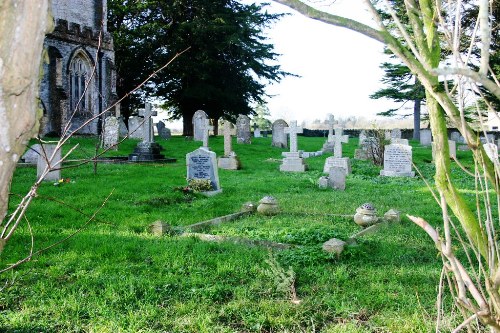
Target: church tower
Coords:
[(79, 78)]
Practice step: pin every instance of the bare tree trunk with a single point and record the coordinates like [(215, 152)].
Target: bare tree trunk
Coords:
[(416, 119), (23, 24)]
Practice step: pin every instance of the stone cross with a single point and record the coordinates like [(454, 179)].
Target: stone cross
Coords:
[(206, 128), (227, 138), (255, 126), (331, 123), (339, 139), (293, 130), (147, 124)]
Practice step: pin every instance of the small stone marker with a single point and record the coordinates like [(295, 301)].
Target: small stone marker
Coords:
[(280, 138), (491, 150), (292, 161), (268, 206), (397, 161), (199, 119), (111, 133), (425, 137), (46, 153), (229, 161), (336, 178), (163, 131), (243, 134), (202, 164)]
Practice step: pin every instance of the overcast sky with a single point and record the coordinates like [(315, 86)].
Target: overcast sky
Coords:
[(338, 68)]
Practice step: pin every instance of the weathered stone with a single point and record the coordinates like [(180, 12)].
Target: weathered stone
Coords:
[(111, 133), (425, 137), (243, 133), (44, 161), (397, 161), (199, 121), (280, 138), (292, 161), (334, 245), (229, 161), (32, 154), (249, 207), (392, 215), (337, 178), (323, 182), (268, 206), (163, 131), (366, 215), (333, 161), (160, 228)]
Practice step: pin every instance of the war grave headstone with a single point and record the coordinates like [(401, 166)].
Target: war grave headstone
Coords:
[(163, 131), (397, 161), (32, 154), (46, 152), (243, 134), (292, 161), (147, 149), (425, 137), (452, 146), (329, 145), (199, 118), (491, 150), (256, 131), (337, 160), (111, 133), (135, 127), (230, 160), (280, 138)]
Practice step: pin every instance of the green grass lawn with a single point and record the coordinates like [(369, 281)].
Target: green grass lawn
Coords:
[(116, 277)]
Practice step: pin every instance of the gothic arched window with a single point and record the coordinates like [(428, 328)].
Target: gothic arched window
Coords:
[(79, 74)]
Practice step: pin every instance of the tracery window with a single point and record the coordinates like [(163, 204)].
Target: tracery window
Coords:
[(79, 76)]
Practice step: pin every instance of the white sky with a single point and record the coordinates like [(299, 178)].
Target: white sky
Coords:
[(339, 68)]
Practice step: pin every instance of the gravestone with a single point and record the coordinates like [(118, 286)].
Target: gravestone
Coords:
[(292, 161), (122, 128), (280, 138), (135, 127), (199, 118), (491, 150), (362, 137), (202, 164), (396, 133), (397, 161), (337, 160), (163, 131), (329, 145), (256, 131), (46, 152), (32, 154), (452, 146), (229, 161), (337, 178), (205, 129), (243, 134), (425, 137), (111, 133), (489, 138), (148, 149), (400, 141), (455, 136)]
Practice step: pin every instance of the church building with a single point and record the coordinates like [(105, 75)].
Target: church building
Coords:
[(79, 76)]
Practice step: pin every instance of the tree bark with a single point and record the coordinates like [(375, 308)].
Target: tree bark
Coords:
[(416, 119), (23, 24)]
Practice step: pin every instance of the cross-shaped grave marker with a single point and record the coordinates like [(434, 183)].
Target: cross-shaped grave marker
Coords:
[(331, 124), (293, 130), (339, 139), (228, 148), (205, 128), (147, 124)]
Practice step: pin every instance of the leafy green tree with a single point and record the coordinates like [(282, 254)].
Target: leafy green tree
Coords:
[(261, 113), (225, 70)]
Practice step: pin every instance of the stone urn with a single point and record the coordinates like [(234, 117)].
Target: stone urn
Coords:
[(366, 215), (268, 206)]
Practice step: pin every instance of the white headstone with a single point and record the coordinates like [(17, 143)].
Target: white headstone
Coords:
[(199, 118), (292, 161), (202, 164), (46, 159), (338, 139), (397, 161), (491, 150), (396, 133), (293, 130), (338, 162), (331, 124)]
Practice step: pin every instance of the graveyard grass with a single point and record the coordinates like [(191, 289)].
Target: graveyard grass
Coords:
[(114, 276)]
